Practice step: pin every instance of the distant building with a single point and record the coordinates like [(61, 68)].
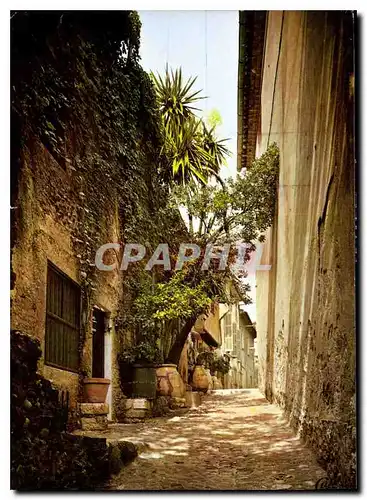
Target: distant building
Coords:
[(238, 335), (226, 330)]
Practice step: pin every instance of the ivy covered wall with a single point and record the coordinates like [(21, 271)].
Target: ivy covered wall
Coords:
[(85, 147)]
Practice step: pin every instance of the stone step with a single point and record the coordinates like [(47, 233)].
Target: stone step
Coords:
[(94, 416)]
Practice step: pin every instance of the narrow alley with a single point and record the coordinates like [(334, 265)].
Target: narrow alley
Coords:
[(183, 250), (235, 441)]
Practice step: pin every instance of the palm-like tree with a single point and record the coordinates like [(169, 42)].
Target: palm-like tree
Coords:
[(214, 147), (175, 99), (188, 156), (192, 150)]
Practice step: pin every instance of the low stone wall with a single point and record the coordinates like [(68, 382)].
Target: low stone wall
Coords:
[(44, 456), (93, 416)]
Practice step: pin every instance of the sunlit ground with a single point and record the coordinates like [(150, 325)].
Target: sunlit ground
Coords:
[(236, 440)]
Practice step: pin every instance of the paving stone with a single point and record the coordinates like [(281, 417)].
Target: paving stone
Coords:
[(235, 440)]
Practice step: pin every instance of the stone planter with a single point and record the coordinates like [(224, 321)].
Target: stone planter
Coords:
[(95, 389), (93, 416), (200, 379), (144, 381), (169, 381)]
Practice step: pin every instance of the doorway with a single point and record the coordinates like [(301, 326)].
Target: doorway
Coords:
[(98, 353)]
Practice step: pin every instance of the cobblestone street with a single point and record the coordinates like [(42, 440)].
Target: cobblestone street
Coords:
[(235, 440)]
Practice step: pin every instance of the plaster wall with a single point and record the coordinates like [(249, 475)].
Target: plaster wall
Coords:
[(305, 303)]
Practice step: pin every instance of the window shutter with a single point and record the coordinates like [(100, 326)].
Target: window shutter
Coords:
[(228, 341), (62, 321)]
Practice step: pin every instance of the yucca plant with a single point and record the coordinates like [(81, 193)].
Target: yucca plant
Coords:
[(188, 158), (191, 150), (175, 98), (214, 147)]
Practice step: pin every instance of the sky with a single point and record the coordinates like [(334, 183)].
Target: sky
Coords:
[(204, 44)]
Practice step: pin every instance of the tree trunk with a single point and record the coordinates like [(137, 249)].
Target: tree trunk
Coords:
[(175, 351), (191, 227)]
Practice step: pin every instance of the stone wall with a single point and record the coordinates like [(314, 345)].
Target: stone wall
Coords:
[(306, 303), (45, 190), (43, 455), (85, 135)]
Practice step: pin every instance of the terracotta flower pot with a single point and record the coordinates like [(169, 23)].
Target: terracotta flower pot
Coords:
[(95, 389), (169, 381)]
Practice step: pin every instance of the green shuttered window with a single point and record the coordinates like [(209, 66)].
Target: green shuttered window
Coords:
[(228, 334), (62, 321)]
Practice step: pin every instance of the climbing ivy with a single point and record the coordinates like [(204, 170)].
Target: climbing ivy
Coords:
[(78, 87)]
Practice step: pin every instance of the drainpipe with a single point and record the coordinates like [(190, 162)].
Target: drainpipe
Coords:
[(246, 26), (240, 86)]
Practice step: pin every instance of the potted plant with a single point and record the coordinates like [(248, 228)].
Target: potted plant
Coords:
[(143, 364), (142, 359), (220, 364), (95, 389), (201, 379)]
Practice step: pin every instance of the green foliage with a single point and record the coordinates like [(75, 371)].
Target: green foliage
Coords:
[(191, 151), (215, 362), (215, 147), (145, 351), (175, 298), (175, 98), (220, 364), (214, 118), (239, 209), (185, 151)]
